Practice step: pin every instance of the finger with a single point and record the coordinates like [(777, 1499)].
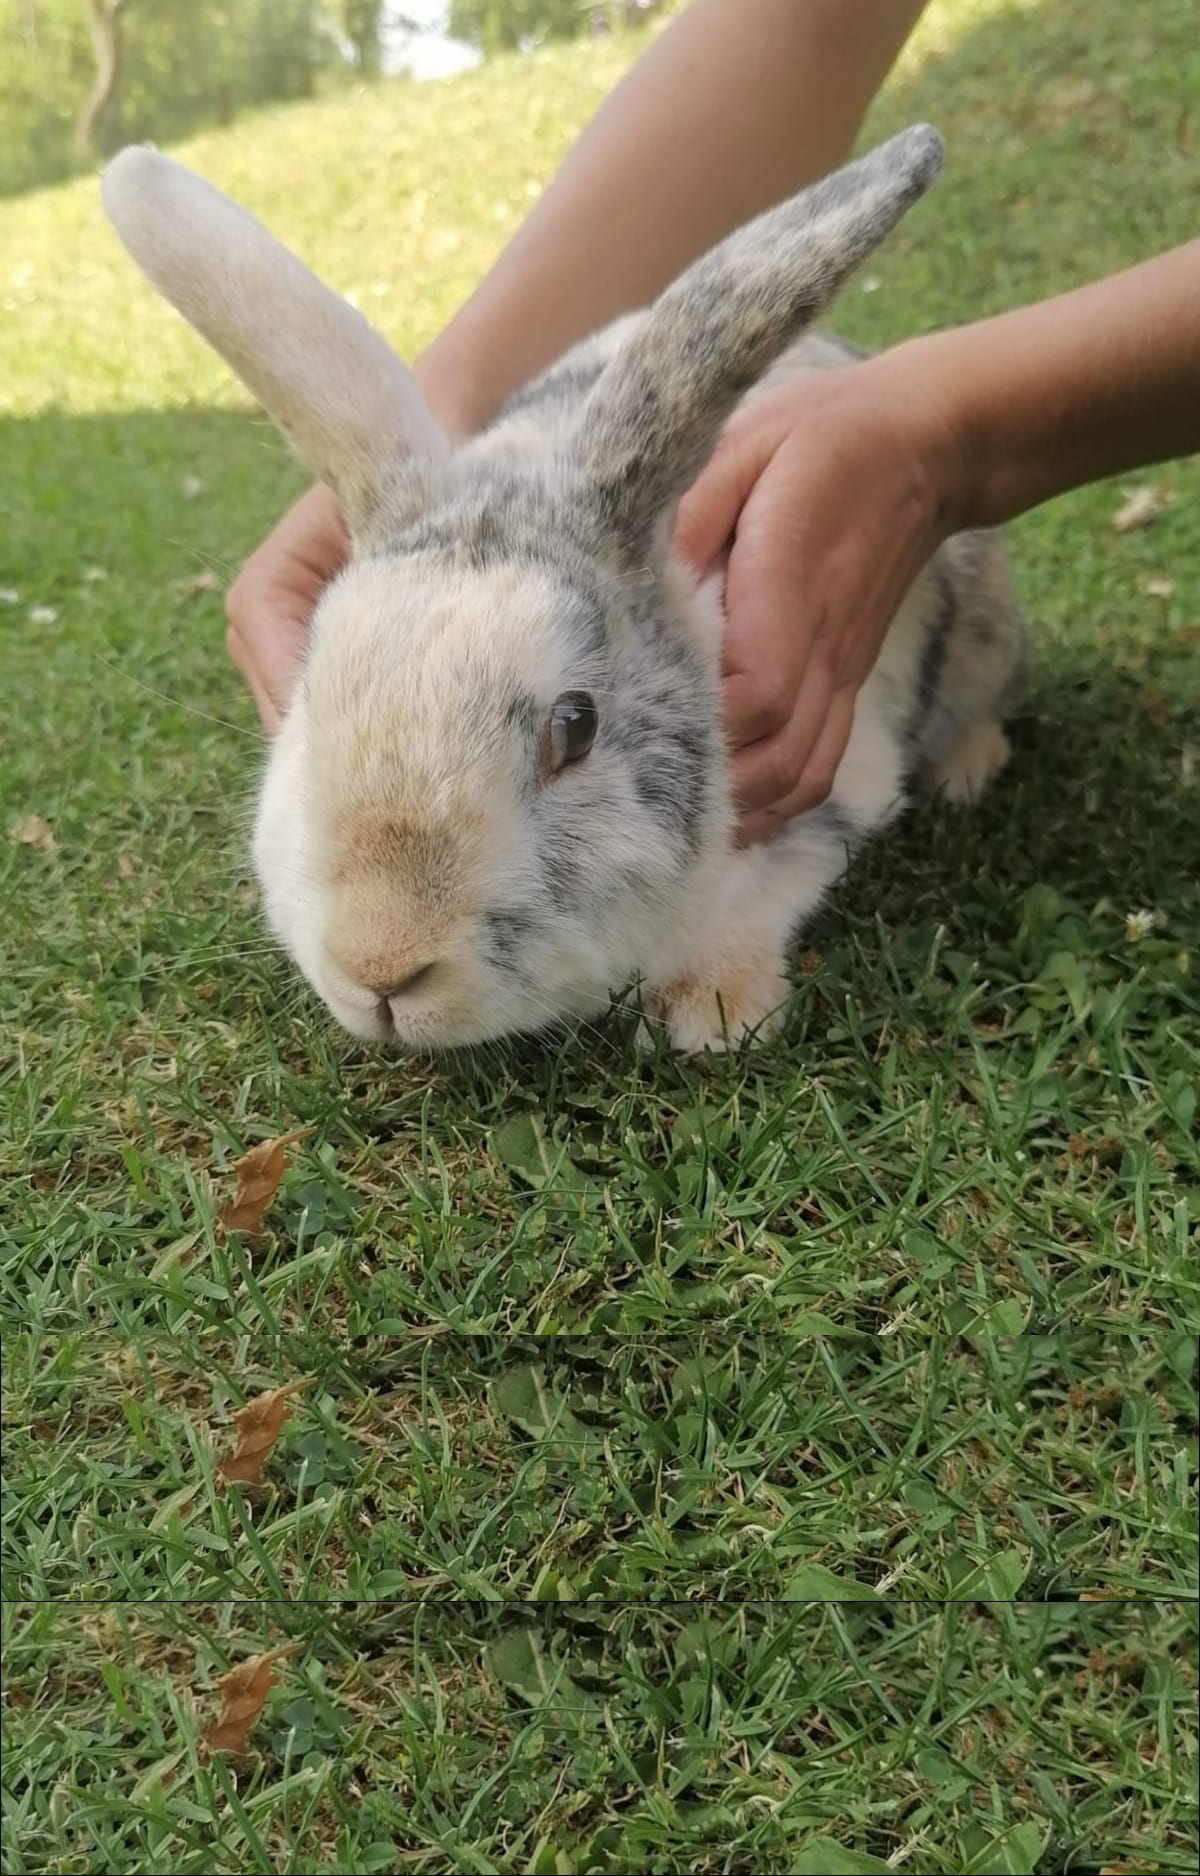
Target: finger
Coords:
[(766, 772), (816, 779), (708, 513), (757, 708), (239, 651), (820, 770), (270, 716), (776, 615), (267, 630)]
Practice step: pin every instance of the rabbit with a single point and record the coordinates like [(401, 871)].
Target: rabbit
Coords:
[(500, 794)]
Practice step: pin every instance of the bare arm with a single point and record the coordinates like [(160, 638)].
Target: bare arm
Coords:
[(736, 105), (1090, 384)]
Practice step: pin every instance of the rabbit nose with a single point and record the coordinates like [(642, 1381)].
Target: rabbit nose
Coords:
[(402, 986)]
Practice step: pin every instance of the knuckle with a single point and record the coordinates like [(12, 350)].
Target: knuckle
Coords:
[(768, 710), (780, 774)]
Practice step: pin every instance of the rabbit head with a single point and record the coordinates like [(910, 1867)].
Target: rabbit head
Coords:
[(499, 792)]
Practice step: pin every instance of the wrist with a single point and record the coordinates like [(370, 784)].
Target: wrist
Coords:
[(452, 387), (948, 443)]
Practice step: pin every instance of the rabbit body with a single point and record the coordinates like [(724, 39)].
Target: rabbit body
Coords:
[(501, 793)]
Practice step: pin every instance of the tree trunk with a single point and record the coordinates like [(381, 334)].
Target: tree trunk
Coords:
[(362, 19), (97, 130)]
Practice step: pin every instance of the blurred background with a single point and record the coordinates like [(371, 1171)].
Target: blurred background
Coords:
[(78, 78)]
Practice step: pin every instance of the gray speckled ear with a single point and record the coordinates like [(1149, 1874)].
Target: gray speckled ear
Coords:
[(654, 414), (339, 393)]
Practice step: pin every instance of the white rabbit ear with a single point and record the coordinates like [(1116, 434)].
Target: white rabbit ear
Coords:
[(654, 413), (349, 406)]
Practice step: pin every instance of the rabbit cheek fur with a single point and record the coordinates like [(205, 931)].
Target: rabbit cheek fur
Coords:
[(435, 876)]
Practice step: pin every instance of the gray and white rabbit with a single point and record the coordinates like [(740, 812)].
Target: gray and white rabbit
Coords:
[(501, 793)]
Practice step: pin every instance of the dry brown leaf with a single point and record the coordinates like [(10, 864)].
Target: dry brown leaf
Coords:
[(1107, 1595), (125, 865), (33, 831), (259, 1424), (1140, 508), (1160, 589), (243, 1691), (258, 1174)]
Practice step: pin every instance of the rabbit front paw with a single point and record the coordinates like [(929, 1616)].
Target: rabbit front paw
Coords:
[(720, 1008)]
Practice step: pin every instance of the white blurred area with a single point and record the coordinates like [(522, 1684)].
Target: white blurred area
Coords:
[(428, 51)]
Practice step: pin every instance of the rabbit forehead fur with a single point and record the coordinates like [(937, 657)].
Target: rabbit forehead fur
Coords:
[(407, 817)]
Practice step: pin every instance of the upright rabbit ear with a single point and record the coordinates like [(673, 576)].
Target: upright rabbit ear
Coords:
[(654, 414), (348, 405)]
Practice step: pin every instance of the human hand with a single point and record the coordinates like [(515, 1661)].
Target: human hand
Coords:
[(836, 489), (271, 602)]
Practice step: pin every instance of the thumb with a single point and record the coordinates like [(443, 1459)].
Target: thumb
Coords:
[(708, 514)]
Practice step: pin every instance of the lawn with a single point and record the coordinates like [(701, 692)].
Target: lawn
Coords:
[(900, 1311)]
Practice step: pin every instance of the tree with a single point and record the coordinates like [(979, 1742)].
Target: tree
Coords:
[(361, 20), (98, 129)]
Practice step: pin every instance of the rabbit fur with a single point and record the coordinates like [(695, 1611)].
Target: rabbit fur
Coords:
[(437, 874)]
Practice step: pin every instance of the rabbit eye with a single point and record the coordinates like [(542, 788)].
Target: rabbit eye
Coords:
[(570, 729)]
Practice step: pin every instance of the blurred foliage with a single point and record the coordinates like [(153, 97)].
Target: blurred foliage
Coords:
[(505, 25), (183, 64)]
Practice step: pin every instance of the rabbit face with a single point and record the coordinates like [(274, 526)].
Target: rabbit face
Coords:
[(476, 819)]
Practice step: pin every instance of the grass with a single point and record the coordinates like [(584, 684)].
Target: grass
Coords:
[(729, 1465), (903, 1308), (588, 1737), (984, 1105)]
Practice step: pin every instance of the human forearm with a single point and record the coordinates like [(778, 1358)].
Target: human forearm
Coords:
[(737, 104), (1091, 384)]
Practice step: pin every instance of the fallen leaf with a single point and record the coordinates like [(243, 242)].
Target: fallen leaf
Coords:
[(1161, 589), (1140, 507), (258, 1174), (1107, 1595), (34, 832), (243, 1691), (125, 865), (259, 1424)]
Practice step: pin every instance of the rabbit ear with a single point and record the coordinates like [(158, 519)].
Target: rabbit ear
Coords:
[(654, 414), (348, 405)]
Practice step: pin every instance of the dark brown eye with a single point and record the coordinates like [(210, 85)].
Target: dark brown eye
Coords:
[(570, 729)]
